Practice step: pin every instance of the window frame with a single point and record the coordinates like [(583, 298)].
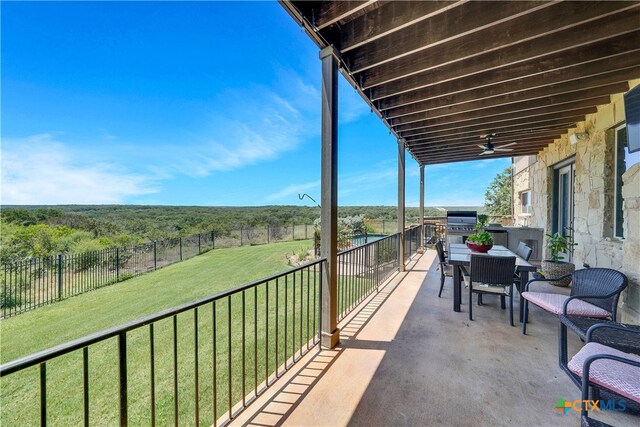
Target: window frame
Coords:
[(529, 211), (617, 180)]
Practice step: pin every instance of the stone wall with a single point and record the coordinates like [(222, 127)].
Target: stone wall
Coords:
[(593, 199)]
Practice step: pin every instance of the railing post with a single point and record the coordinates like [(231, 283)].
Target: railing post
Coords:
[(122, 374), (268, 234), (199, 244), (305, 232), (180, 248), (213, 240), (59, 276), (241, 228), (155, 255), (293, 232), (117, 264)]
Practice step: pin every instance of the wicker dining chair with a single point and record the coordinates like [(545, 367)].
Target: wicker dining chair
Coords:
[(594, 293), (446, 270), (491, 275)]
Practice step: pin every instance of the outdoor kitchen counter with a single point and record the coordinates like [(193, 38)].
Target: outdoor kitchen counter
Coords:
[(460, 256)]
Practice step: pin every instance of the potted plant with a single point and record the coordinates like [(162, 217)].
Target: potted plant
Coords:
[(481, 241), (555, 267)]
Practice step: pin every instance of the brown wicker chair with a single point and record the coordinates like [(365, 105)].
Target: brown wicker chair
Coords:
[(491, 275)]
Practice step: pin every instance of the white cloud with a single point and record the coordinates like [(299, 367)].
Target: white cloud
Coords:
[(41, 170), (294, 189)]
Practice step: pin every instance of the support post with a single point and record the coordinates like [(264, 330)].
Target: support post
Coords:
[(329, 197), (421, 244), (401, 179)]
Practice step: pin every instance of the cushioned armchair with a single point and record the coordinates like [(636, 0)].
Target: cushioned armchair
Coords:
[(607, 369), (594, 293)]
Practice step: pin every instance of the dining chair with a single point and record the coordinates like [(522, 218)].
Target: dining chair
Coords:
[(523, 252), (446, 270), (594, 293), (491, 275)]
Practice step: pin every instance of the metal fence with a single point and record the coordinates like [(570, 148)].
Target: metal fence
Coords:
[(194, 364), (361, 270), (32, 283), (412, 241), (200, 363)]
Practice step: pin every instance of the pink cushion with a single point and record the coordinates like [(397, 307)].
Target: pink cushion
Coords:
[(554, 302), (619, 377)]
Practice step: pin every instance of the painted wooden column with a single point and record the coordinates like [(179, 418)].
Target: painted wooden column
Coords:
[(421, 244), (401, 179), (329, 198)]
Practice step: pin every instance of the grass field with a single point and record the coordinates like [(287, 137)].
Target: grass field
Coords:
[(201, 276)]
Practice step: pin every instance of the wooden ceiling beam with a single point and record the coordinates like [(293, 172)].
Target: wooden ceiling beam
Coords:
[(330, 12), (387, 19), (430, 68), (504, 135), (493, 107), (540, 123), (457, 23), (474, 147), (441, 106), (479, 140), (475, 150), (427, 161), (463, 120), (493, 84)]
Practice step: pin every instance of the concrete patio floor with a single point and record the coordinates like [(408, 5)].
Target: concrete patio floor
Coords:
[(406, 358)]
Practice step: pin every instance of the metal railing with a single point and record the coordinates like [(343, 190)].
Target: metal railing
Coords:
[(362, 269), (198, 362), (32, 283), (412, 241)]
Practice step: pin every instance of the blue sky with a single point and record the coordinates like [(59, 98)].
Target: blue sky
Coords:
[(203, 103)]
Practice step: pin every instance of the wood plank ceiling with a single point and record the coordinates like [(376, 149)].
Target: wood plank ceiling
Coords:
[(442, 73)]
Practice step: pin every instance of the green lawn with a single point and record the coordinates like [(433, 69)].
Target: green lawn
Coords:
[(203, 275)]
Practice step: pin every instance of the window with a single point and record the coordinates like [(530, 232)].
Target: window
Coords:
[(525, 200), (623, 161)]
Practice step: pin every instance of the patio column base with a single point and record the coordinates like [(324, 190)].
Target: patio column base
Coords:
[(330, 340)]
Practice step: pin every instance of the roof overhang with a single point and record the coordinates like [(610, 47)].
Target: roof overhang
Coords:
[(440, 74)]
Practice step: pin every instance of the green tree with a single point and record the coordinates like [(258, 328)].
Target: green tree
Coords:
[(497, 197)]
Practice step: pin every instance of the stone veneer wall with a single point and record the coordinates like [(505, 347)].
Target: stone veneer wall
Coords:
[(593, 200)]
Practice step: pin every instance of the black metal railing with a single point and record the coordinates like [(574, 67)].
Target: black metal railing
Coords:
[(361, 270), (412, 241), (32, 283), (193, 364)]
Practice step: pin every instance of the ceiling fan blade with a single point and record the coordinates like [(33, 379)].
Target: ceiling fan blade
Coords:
[(506, 145), (503, 149), (481, 146), (482, 154)]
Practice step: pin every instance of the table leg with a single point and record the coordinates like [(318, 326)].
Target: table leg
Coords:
[(524, 278), (457, 291)]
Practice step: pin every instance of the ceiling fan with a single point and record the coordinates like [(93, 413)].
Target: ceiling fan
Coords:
[(489, 148)]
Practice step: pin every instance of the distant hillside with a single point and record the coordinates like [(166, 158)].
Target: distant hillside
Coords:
[(153, 222)]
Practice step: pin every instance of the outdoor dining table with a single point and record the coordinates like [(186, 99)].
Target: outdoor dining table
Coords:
[(460, 256)]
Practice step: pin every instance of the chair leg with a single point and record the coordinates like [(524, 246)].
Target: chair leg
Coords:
[(502, 302), (562, 346), (511, 305), (479, 299), (470, 302), (525, 316), (441, 284)]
